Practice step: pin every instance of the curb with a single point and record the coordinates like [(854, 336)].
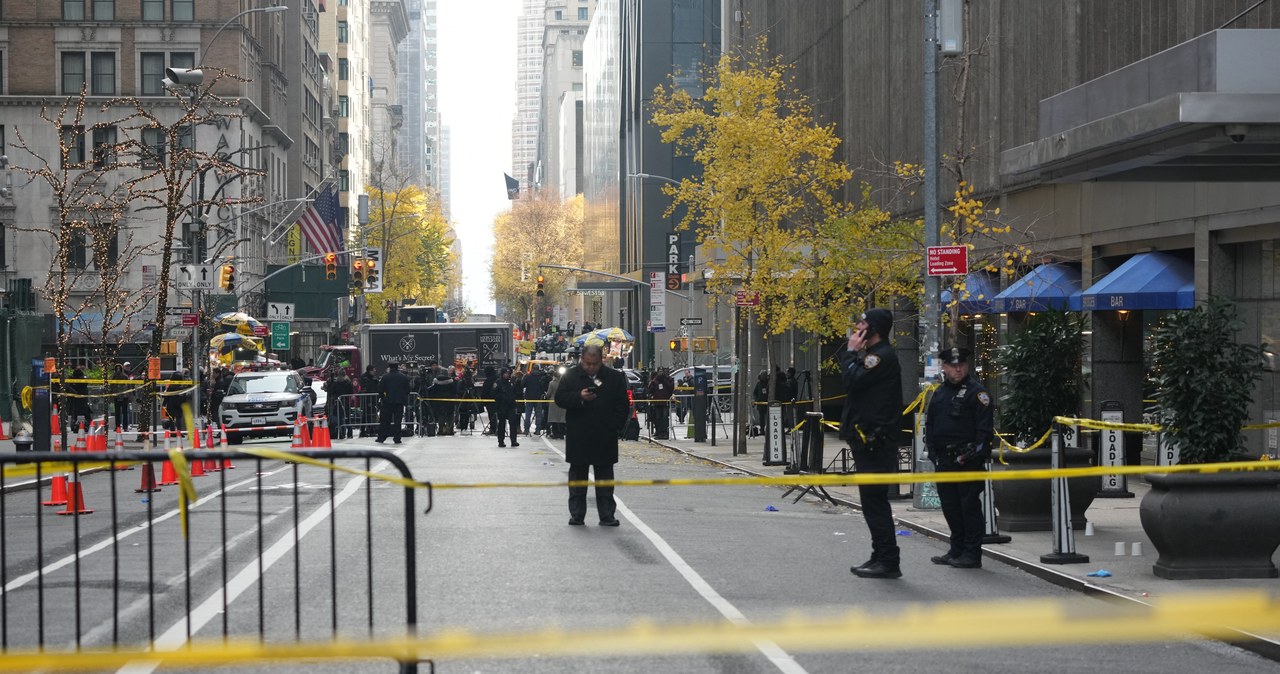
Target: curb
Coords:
[(1258, 645)]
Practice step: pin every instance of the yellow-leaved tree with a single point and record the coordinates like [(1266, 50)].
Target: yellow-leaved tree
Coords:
[(537, 230), (410, 226)]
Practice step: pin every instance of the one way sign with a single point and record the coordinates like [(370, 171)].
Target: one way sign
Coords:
[(279, 311)]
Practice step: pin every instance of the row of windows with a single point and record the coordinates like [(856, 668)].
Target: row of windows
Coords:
[(582, 14), (104, 139), (105, 10), (98, 70)]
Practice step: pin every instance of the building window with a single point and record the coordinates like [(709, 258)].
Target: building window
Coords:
[(344, 69), (577, 58), (344, 143), (151, 65), (582, 13), (104, 146), (183, 10), (152, 147), (559, 14), (73, 10), (72, 72), (344, 181), (76, 250), (182, 59), (104, 10), (153, 10), (73, 146), (342, 32), (113, 248), (344, 106), (104, 73)]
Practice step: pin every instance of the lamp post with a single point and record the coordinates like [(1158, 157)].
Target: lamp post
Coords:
[(191, 79)]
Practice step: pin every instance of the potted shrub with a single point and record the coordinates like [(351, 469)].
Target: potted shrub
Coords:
[(1220, 525), (1040, 368)]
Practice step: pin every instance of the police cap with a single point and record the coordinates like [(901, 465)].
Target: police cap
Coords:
[(954, 355)]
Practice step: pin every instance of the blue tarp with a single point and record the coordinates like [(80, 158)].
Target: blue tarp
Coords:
[(1145, 281), (980, 288), (1049, 286)]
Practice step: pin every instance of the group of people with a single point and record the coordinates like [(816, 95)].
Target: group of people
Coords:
[(436, 411), (519, 404)]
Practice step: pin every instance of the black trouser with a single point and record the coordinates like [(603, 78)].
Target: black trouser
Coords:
[(391, 420), (875, 501), (508, 423), (122, 413), (338, 421), (606, 507), (962, 506), (660, 418)]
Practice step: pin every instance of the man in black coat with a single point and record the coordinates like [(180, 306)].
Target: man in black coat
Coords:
[(505, 393), (393, 389), (871, 424), (596, 408)]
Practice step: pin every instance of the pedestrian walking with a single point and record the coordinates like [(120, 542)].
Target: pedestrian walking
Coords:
[(596, 408), (661, 388), (870, 423), (958, 435), (505, 393), (535, 413), (393, 389)]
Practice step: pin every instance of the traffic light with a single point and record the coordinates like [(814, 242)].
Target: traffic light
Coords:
[(541, 278), (357, 275), (227, 277), (330, 266), (371, 281), (674, 344)]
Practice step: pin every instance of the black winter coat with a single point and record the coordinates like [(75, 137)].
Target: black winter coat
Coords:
[(592, 427), (873, 386), (394, 388)]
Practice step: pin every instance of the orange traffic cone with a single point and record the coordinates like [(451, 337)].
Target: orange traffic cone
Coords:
[(306, 433), (197, 468), (119, 447), (210, 465), (325, 441), (297, 435), (58, 485), (80, 442), (149, 479), (75, 501), (226, 463), (3, 435), (55, 423)]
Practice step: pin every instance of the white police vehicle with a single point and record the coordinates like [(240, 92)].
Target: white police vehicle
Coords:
[(264, 404)]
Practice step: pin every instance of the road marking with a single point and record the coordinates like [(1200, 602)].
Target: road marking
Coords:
[(779, 657), (176, 636)]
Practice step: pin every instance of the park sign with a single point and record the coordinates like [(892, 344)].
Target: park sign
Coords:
[(948, 260)]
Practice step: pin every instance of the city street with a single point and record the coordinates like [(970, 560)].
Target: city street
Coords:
[(504, 560)]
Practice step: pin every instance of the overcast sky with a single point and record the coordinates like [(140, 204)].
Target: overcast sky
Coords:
[(477, 42)]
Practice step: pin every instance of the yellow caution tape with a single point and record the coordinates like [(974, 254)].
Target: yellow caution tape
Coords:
[(298, 458), (938, 626)]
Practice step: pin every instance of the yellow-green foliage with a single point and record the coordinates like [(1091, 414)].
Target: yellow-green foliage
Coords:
[(416, 248), (535, 231)]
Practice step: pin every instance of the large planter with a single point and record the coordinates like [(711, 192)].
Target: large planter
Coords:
[(1222, 525), (1026, 505)]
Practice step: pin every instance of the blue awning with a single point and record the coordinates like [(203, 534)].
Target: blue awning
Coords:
[(1049, 286), (1145, 281), (980, 288)]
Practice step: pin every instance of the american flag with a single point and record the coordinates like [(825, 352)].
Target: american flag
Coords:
[(320, 223)]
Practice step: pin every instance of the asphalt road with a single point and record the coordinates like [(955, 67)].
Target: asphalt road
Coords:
[(500, 560)]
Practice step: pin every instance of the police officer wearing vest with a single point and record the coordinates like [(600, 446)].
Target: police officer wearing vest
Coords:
[(958, 433), (871, 423)]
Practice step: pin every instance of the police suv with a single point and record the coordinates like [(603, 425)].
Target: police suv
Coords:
[(263, 404)]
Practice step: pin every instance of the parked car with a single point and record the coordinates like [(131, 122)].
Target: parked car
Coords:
[(264, 404)]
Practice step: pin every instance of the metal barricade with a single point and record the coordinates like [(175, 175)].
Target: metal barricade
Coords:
[(99, 557)]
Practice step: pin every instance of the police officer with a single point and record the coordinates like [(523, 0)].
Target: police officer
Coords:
[(958, 434), (871, 424)]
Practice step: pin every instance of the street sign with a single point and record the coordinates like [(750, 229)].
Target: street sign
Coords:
[(259, 331), (948, 260), (741, 299), (691, 321), (279, 336), (279, 311), (179, 333), (190, 320), (195, 277), (178, 311)]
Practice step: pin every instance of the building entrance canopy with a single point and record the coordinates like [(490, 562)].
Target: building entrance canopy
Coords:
[(1205, 110), (1049, 286), (1145, 281)]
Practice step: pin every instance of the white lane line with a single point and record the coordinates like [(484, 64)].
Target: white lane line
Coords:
[(176, 636), (104, 544), (779, 657)]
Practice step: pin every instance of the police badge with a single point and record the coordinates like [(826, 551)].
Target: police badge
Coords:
[(984, 398), (871, 361)]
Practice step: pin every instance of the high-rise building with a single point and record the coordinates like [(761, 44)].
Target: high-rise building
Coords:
[(560, 134), (389, 25), (524, 127), (418, 73)]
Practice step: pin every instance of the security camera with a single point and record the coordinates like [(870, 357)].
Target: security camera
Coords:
[(1237, 132), (187, 77)]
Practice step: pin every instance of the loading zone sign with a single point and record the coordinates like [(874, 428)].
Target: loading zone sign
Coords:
[(948, 260)]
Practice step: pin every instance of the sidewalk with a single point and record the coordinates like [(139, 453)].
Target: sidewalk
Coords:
[(1115, 520)]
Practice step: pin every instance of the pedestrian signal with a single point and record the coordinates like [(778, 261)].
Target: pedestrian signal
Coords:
[(330, 266), (227, 277), (676, 344), (541, 293)]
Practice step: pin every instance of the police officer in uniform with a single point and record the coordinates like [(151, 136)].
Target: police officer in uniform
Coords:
[(871, 423), (958, 434)]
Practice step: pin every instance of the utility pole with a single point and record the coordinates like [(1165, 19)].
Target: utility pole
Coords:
[(929, 328)]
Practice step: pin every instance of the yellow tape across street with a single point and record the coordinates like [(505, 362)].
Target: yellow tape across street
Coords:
[(949, 625)]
